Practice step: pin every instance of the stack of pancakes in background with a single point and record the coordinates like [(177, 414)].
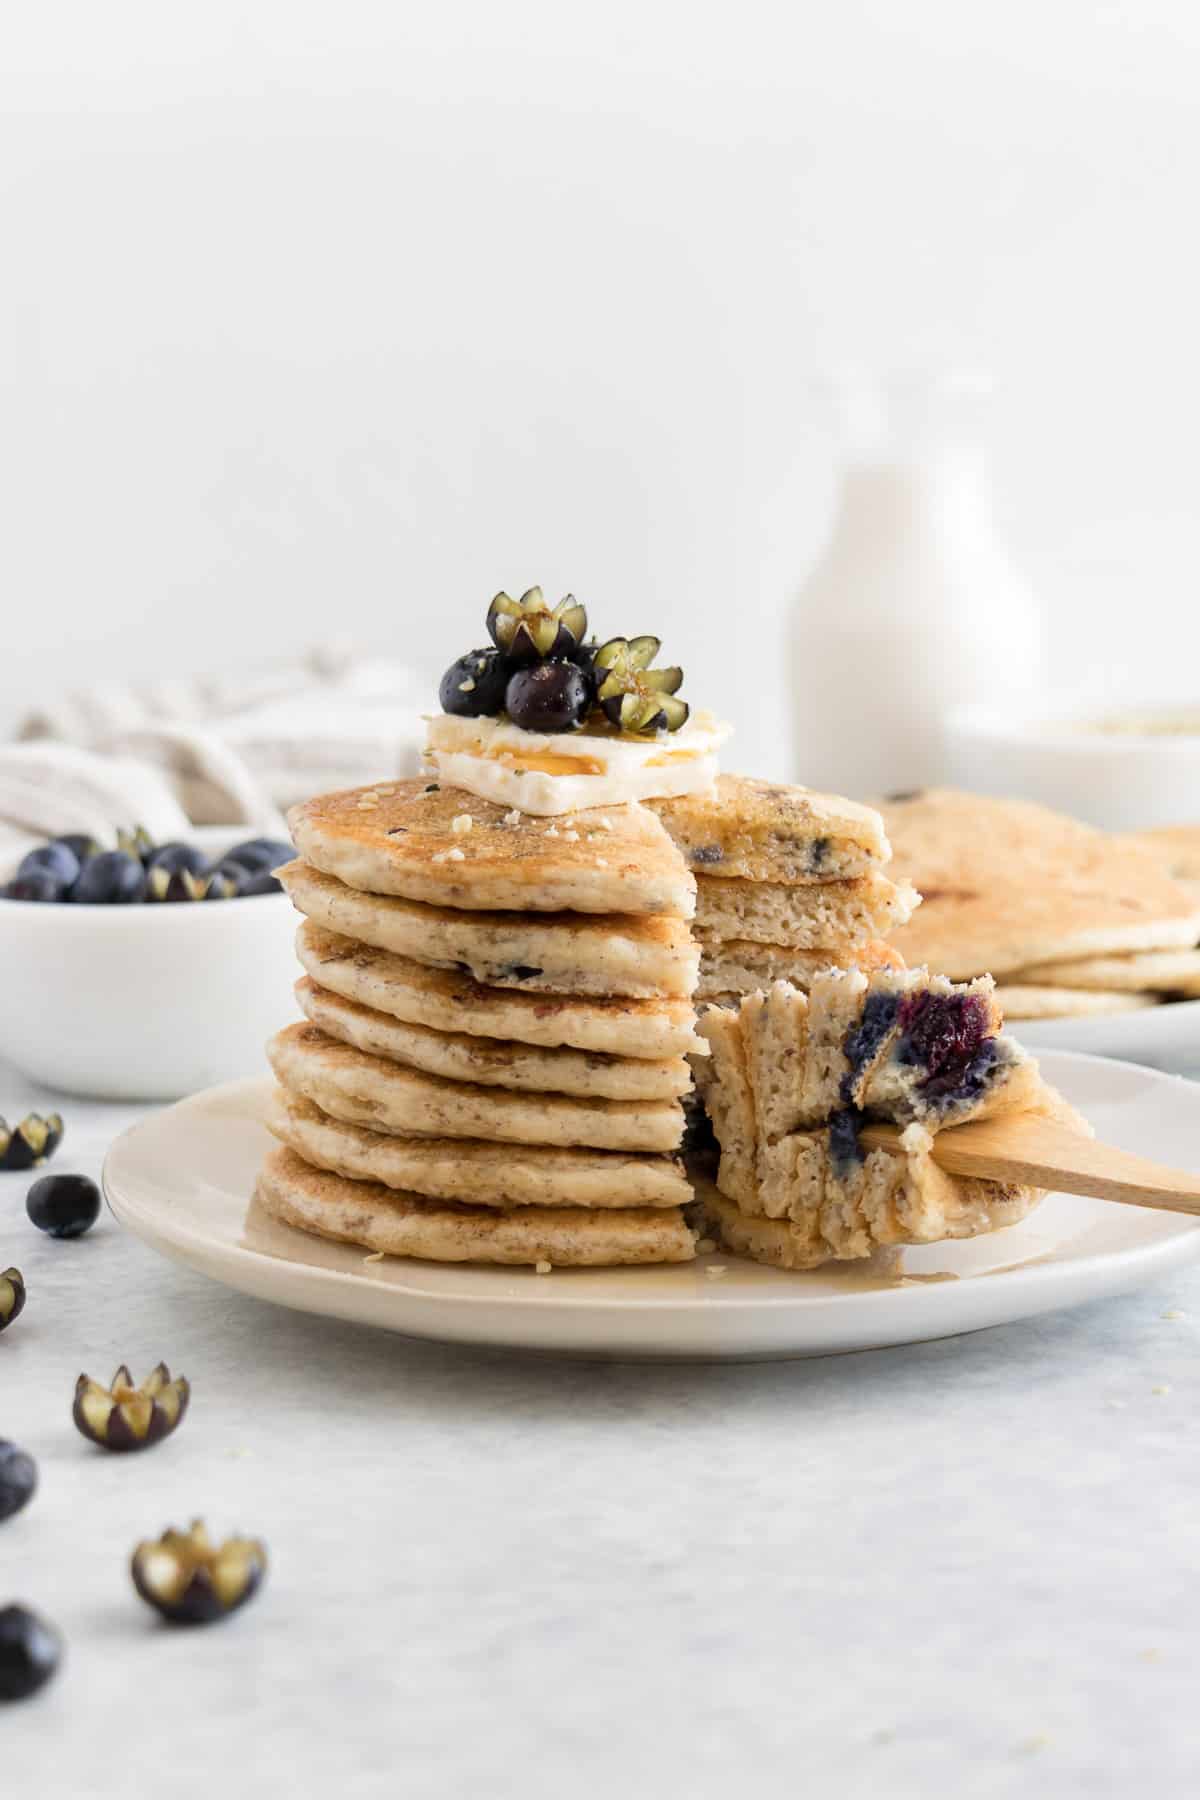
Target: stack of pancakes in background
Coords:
[(498, 1017), (789, 883), (1071, 921)]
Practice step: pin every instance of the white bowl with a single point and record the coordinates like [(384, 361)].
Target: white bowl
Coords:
[(1127, 779), (146, 1002)]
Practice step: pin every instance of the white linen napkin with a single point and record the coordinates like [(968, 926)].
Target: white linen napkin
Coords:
[(210, 750)]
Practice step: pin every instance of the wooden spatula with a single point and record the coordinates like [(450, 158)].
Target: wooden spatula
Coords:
[(1038, 1152)]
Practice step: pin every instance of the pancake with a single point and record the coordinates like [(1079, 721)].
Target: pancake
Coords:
[(1176, 847), (1140, 971), (367, 1090), (380, 1219), (743, 968), (822, 1210), (767, 831), (801, 916), (447, 999), (1007, 885), (1020, 1001), (456, 1056), (569, 953), (484, 1174), (440, 845)]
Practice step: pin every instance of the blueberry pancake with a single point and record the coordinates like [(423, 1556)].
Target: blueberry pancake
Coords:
[(1019, 1000), (824, 1202), (382, 1219), (486, 1174), (801, 917), (426, 842), (1138, 971), (1007, 885), (457, 1056), (745, 968), (368, 1090), (557, 953), (448, 999), (766, 831)]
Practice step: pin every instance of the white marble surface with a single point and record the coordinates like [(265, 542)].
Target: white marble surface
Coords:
[(961, 1568)]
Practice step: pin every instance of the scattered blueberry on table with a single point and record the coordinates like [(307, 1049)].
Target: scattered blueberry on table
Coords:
[(30, 1652), (18, 1478), (75, 869), (63, 1206)]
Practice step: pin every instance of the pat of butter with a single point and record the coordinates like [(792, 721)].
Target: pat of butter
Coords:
[(559, 772)]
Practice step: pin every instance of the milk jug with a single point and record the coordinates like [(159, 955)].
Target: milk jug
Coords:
[(914, 607)]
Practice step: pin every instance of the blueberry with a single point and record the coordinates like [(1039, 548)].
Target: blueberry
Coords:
[(38, 885), (56, 860), (845, 1151), (259, 854), (18, 1478), (942, 1031), (227, 880), (548, 696), (81, 846), (262, 883), (176, 856), (474, 686), (30, 1652), (114, 878), (63, 1206)]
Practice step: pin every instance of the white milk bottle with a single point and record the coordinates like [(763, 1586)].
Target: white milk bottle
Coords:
[(913, 608)]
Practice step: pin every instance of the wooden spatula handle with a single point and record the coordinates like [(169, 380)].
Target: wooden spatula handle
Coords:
[(1037, 1152)]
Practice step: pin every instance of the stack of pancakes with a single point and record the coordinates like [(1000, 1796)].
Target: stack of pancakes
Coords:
[(789, 883), (498, 1019), (792, 1078), (1070, 920)]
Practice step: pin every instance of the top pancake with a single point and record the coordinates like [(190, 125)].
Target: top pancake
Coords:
[(1006, 885), (424, 841), (768, 831)]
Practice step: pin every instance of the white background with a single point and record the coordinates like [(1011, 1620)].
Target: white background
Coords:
[(330, 320)]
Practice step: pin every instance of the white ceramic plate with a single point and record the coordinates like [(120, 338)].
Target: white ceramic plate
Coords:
[(1165, 1037), (182, 1180)]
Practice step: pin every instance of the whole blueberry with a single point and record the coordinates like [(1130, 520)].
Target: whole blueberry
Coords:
[(18, 1478), (548, 696), (176, 856), (257, 854), (81, 846), (30, 1652), (56, 860), (262, 883), (38, 884), (474, 686), (114, 878), (63, 1206)]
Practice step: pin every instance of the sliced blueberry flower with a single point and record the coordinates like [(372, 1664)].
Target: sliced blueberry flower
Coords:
[(126, 1417), (191, 1580)]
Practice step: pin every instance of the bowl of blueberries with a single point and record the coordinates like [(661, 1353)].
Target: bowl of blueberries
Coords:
[(145, 971)]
